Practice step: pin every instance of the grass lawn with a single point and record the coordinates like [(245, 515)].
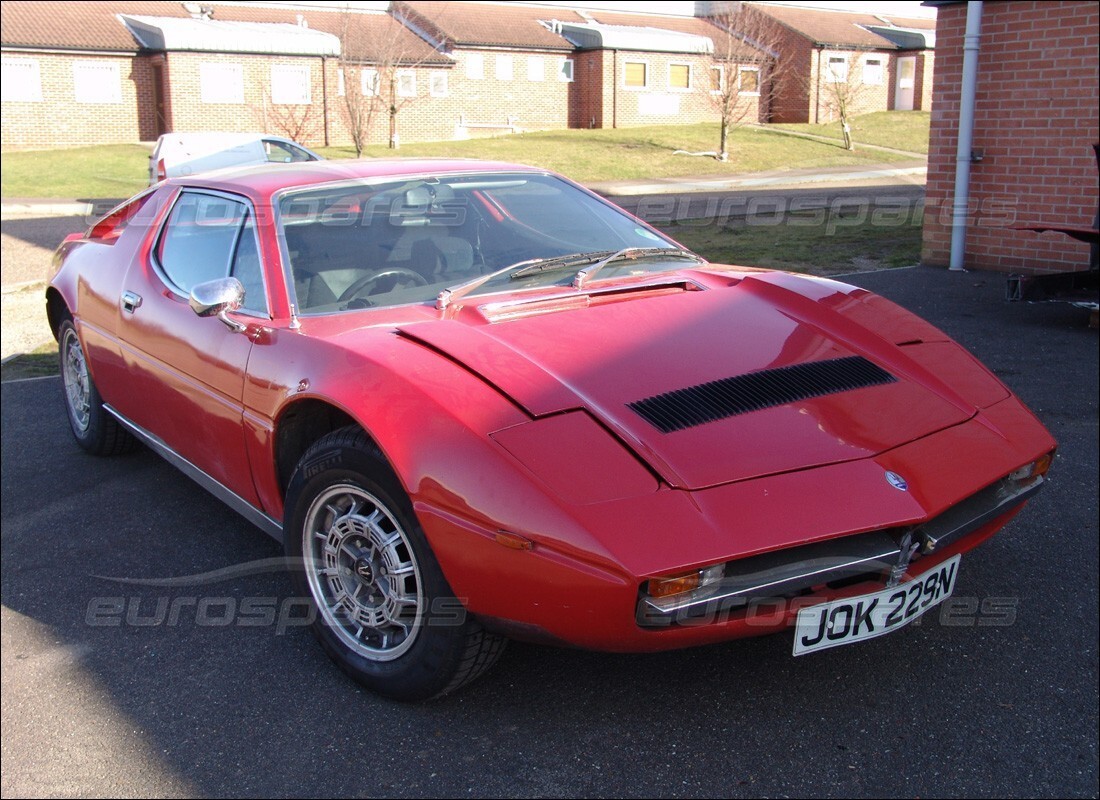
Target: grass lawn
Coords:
[(820, 243), (903, 130), (636, 153), (112, 170), (38, 364), (117, 171)]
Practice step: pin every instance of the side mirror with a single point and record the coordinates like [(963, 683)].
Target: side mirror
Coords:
[(217, 298)]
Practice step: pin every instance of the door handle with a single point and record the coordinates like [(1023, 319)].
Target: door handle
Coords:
[(131, 301)]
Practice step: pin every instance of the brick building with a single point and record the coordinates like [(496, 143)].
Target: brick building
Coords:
[(128, 70), (886, 62), (1035, 122)]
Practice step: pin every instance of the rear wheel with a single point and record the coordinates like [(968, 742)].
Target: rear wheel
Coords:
[(384, 610), (94, 429)]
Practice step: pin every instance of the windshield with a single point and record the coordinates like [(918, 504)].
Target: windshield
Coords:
[(381, 244)]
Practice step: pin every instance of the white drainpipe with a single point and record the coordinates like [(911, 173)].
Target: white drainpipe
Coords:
[(966, 132)]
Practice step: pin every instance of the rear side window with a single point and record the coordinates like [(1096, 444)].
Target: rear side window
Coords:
[(108, 229), (208, 237)]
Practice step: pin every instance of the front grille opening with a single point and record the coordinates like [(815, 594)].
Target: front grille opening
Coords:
[(755, 391)]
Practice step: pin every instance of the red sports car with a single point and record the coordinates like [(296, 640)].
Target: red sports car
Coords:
[(477, 401)]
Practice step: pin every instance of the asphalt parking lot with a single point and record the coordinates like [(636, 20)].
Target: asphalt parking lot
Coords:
[(106, 694)]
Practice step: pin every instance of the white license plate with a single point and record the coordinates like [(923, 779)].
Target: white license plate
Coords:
[(854, 619)]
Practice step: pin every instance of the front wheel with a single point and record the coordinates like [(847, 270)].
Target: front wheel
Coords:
[(384, 610)]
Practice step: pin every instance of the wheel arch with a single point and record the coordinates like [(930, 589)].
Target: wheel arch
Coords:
[(56, 310), (301, 423)]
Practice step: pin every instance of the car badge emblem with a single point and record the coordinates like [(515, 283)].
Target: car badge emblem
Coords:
[(897, 481)]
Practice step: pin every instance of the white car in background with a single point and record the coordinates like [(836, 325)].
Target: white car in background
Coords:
[(183, 154)]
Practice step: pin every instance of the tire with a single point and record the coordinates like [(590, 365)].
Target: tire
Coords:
[(94, 429), (383, 609)]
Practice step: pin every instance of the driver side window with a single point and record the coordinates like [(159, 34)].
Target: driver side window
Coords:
[(208, 237)]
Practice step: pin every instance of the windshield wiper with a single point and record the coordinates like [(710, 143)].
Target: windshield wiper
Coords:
[(533, 266), (585, 275), (559, 262), (529, 266)]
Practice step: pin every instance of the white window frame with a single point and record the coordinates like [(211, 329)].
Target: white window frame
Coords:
[(740, 81), (536, 69), (403, 89), (644, 86), (721, 70), (370, 82), (505, 68), (434, 87), (341, 85), (475, 66), (566, 71), (833, 76), (691, 76), (25, 87), (221, 84), (104, 89), (285, 94), (881, 67)]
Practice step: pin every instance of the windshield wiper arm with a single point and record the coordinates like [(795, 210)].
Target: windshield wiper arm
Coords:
[(559, 262), (583, 277), (528, 266)]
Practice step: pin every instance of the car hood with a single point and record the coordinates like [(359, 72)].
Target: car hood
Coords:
[(712, 384)]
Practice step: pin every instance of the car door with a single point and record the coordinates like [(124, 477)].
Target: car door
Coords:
[(187, 372)]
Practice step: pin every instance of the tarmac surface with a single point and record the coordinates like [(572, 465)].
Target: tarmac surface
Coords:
[(107, 693)]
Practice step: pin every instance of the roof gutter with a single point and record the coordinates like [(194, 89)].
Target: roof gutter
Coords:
[(964, 149)]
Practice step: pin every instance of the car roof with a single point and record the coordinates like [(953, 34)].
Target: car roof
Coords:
[(260, 182)]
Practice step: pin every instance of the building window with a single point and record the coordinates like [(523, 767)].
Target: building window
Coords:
[(565, 71), (96, 82), (679, 76), (872, 71), (341, 88), (369, 82), (837, 70), (406, 83), (437, 84), (475, 66), (635, 74), (748, 80), (504, 68), (22, 80), (290, 85), (717, 79), (536, 70), (221, 83)]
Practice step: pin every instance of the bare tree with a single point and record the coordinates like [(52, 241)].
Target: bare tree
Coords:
[(745, 68), (296, 121), (380, 74), (842, 91)]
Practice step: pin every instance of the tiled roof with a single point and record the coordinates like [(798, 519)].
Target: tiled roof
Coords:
[(81, 26), (491, 25), (487, 25), (841, 28), (93, 25)]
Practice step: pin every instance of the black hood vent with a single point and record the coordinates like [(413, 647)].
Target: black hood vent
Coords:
[(728, 397)]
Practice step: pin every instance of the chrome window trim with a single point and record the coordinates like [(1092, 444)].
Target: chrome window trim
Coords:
[(173, 287)]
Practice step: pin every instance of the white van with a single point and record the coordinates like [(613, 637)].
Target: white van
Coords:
[(181, 154)]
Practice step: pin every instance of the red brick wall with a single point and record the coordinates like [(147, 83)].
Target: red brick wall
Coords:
[(58, 120), (1036, 120), (926, 64)]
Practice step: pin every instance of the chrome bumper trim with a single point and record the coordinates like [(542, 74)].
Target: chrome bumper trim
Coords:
[(784, 573)]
